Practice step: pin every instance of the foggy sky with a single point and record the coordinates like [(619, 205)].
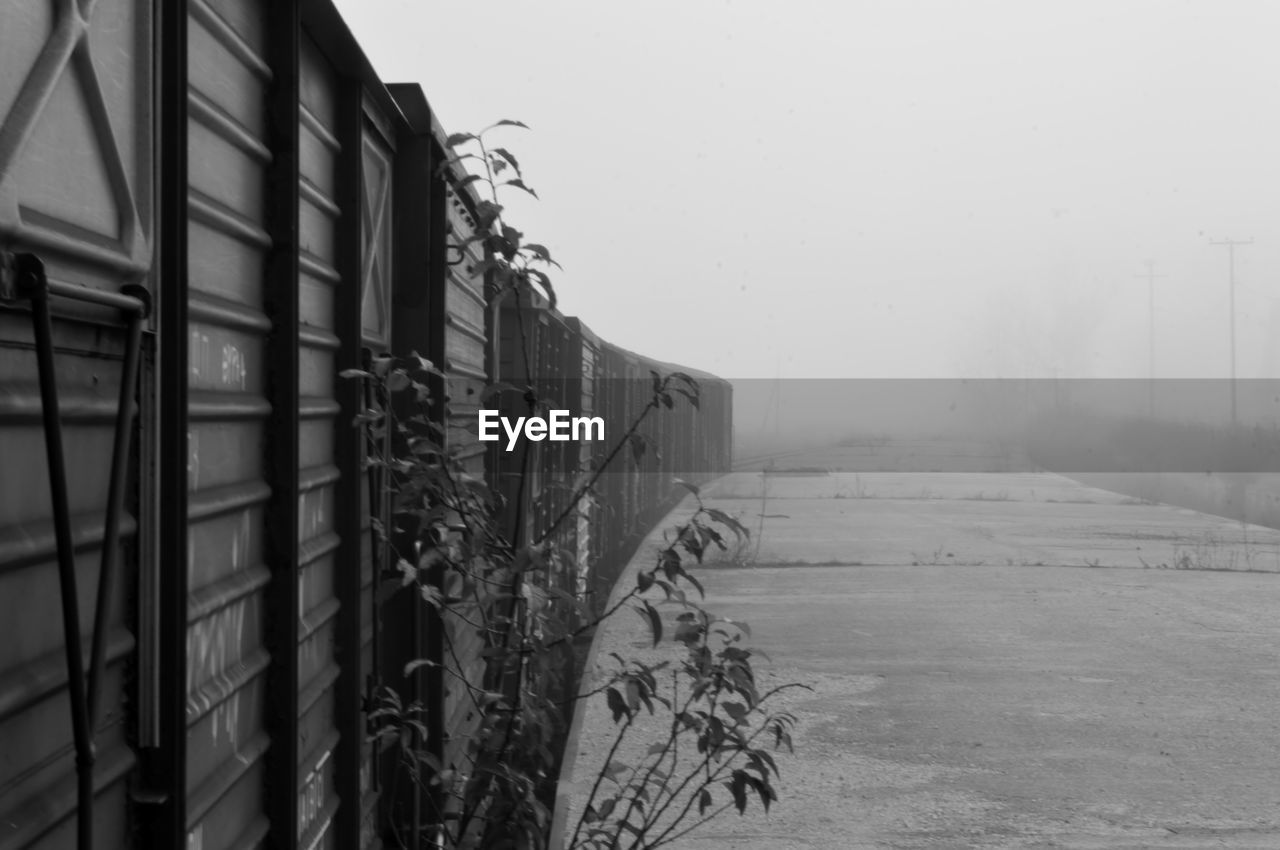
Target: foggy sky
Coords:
[(882, 189)]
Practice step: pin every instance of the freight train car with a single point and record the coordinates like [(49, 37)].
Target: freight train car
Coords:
[(558, 363), (205, 218), (692, 443)]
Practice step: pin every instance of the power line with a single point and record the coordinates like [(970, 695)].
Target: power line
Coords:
[(1231, 245)]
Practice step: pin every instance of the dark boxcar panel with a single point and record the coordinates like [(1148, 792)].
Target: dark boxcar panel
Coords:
[(320, 218), (466, 365), (405, 628), (378, 190), (465, 335), (614, 484), (583, 397), (376, 227), (228, 477), (75, 188), (538, 351), (681, 442)]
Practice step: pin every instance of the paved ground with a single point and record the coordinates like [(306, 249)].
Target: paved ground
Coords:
[(999, 661)]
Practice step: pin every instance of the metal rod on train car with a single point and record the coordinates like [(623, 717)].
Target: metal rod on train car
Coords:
[(115, 495), (31, 283), (134, 305)]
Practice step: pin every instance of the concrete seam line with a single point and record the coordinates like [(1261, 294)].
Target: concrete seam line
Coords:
[(556, 840)]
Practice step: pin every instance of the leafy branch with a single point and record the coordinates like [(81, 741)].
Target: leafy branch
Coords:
[(445, 534)]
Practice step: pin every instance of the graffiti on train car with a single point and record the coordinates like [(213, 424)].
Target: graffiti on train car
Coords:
[(369, 821), (216, 641), (193, 470), (216, 360), (311, 801), (215, 645), (225, 718), (315, 509)]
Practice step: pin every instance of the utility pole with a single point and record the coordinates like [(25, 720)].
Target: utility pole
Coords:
[(1231, 278), (1151, 338)]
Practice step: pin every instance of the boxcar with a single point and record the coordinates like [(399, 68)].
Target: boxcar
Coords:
[(221, 210)]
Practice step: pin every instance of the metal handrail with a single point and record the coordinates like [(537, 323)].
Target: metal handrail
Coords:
[(132, 299), (24, 277)]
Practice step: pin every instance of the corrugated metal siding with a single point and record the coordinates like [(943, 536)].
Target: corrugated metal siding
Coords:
[(635, 387), (319, 475), (465, 339), (227, 655), (585, 401), (464, 364), (611, 404), (75, 187)]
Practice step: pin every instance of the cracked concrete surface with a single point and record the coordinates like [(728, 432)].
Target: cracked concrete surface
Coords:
[(965, 697)]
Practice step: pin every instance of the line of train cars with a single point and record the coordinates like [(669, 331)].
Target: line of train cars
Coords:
[(572, 369), (221, 200)]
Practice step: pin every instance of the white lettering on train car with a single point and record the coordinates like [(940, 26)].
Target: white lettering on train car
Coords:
[(313, 513), (233, 367), (198, 354), (216, 362), (311, 800)]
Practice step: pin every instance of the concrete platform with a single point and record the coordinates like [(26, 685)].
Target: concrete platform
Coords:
[(998, 661)]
